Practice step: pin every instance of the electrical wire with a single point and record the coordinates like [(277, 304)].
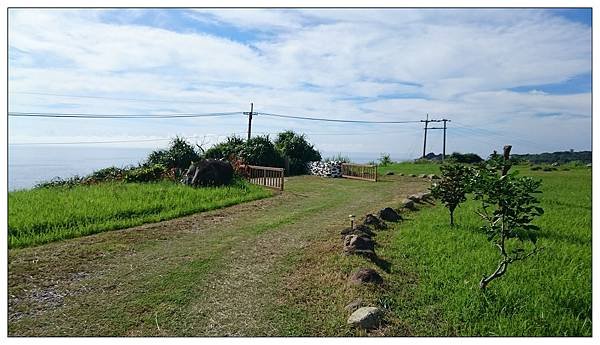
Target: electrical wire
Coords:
[(117, 116)]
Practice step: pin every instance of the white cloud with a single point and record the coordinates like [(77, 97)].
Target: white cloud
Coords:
[(311, 62)]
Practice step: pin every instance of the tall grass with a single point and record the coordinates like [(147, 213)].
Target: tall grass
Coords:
[(48, 214), (549, 294)]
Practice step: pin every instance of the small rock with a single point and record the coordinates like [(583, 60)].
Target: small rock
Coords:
[(389, 214), (389, 173), (359, 230), (366, 276), (423, 176), (409, 204), (433, 177), (354, 242), (372, 220), (412, 175), (401, 174), (352, 306), (366, 317)]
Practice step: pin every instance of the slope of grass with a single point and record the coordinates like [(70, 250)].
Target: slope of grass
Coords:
[(43, 215), (549, 294)]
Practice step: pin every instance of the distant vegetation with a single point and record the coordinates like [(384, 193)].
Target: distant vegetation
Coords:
[(556, 157)]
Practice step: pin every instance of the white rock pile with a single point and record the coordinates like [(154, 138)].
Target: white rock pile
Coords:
[(325, 169)]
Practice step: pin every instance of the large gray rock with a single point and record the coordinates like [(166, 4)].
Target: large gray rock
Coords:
[(366, 318), (358, 245), (365, 276), (388, 214), (208, 172)]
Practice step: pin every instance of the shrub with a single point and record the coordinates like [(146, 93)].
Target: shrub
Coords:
[(453, 186), (145, 173), (228, 149), (107, 174), (385, 160), (261, 151), (339, 158), (179, 155), (297, 150), (536, 168), (468, 158), (508, 208)]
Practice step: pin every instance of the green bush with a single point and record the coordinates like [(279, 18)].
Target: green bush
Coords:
[(468, 158), (232, 146), (536, 168), (261, 151), (385, 160), (297, 150), (150, 173), (179, 155)]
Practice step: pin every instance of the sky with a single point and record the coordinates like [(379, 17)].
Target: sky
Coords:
[(502, 76)]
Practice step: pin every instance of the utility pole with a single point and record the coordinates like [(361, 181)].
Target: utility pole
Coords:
[(250, 119), (425, 137), (430, 128)]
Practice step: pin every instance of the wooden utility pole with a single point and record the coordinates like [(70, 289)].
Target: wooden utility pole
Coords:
[(250, 119), (427, 120), (425, 137)]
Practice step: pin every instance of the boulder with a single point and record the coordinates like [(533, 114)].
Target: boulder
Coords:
[(358, 245), (409, 204), (208, 172), (360, 230), (389, 215), (389, 173), (375, 222), (365, 276), (354, 242), (423, 176), (433, 177), (401, 174), (366, 318), (412, 175)]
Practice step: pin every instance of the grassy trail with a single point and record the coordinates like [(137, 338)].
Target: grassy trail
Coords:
[(223, 272)]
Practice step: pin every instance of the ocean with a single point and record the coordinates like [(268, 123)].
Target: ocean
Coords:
[(31, 164)]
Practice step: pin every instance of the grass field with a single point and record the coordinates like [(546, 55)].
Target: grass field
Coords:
[(548, 294), (43, 215), (275, 267)]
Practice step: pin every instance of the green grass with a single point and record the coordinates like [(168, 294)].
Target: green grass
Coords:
[(43, 215), (549, 294)]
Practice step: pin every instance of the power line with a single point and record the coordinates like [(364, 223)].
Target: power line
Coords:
[(117, 116), (334, 120)]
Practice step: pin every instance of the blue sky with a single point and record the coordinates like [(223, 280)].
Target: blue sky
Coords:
[(497, 73)]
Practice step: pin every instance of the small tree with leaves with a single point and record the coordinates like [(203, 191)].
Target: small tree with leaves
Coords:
[(508, 208), (455, 183)]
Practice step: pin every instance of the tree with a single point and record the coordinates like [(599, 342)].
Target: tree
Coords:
[(453, 186), (468, 158), (231, 147), (261, 151), (298, 150), (179, 155), (508, 208), (385, 160)]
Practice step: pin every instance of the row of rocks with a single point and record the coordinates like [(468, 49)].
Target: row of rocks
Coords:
[(325, 169), (358, 240)]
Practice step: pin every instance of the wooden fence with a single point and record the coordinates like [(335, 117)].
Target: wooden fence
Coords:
[(360, 171), (264, 176)]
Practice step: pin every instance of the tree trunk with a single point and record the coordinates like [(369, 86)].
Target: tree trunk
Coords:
[(452, 217)]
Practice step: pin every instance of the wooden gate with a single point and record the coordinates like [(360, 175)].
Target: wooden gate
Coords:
[(360, 171), (264, 176)]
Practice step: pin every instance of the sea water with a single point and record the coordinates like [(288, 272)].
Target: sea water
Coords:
[(32, 164)]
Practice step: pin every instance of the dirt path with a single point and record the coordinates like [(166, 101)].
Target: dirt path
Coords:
[(215, 273)]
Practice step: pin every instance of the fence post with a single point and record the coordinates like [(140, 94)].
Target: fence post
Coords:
[(282, 178), (264, 177)]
